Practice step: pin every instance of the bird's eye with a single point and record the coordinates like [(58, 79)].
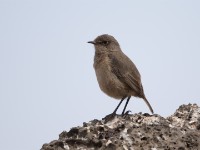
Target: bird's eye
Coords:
[(105, 42)]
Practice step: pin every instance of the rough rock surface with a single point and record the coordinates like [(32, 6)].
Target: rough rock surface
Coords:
[(180, 131)]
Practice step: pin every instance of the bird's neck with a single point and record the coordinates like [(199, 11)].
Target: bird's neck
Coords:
[(100, 57)]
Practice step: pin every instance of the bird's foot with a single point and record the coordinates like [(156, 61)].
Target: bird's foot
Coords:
[(126, 113), (109, 117)]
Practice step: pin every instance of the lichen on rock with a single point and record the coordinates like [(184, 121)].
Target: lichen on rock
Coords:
[(179, 131)]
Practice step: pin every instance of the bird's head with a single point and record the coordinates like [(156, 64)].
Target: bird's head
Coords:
[(105, 43)]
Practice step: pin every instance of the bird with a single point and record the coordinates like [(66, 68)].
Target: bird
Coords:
[(117, 75)]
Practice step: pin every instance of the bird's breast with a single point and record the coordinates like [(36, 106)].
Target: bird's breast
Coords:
[(108, 81)]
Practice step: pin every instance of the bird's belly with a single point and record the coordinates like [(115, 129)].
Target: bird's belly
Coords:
[(110, 84)]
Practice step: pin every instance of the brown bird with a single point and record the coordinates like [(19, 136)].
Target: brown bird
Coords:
[(117, 75)]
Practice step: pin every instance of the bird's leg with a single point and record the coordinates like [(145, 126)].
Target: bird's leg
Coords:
[(126, 105), (111, 116), (114, 112)]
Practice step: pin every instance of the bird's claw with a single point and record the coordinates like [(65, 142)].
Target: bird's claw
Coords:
[(126, 113), (109, 117)]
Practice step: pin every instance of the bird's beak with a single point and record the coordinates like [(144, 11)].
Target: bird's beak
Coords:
[(92, 42)]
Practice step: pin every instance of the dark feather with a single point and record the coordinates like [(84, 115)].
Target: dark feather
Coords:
[(126, 73)]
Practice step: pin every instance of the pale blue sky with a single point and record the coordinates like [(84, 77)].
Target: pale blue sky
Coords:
[(47, 81)]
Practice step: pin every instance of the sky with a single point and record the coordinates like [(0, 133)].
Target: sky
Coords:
[(47, 81)]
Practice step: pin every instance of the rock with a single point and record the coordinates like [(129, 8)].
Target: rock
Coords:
[(179, 131)]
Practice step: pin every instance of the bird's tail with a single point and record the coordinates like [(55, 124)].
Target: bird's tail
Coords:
[(148, 104)]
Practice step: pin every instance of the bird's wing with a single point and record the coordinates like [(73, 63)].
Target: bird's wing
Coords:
[(126, 71), (128, 74)]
